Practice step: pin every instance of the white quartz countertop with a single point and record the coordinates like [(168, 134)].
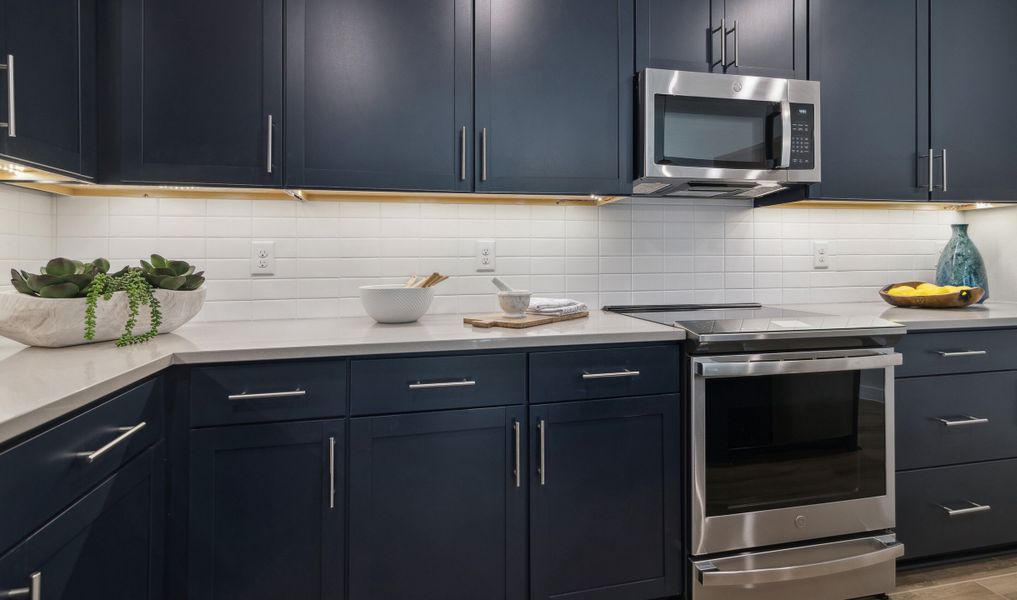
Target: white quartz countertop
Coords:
[(39, 385), (990, 314)]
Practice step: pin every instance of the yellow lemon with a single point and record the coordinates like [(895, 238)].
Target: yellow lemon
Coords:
[(902, 291), (930, 287)]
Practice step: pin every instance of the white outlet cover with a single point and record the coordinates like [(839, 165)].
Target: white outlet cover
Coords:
[(820, 254), (485, 256), (262, 258)]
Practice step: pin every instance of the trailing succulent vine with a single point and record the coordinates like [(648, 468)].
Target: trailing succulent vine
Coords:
[(65, 278)]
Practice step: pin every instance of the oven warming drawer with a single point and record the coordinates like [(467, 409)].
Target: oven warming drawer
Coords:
[(832, 571)]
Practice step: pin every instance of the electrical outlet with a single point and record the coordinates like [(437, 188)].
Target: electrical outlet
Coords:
[(262, 258), (820, 254), (484, 258)]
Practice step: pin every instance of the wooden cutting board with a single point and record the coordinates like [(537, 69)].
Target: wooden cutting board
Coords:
[(500, 320)]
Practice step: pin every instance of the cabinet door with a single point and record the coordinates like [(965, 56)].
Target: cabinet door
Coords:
[(201, 91), (106, 545), (676, 34), (973, 57), (436, 509), (266, 512), (554, 96), (767, 38), (379, 94), (52, 84), (604, 499), (871, 60)]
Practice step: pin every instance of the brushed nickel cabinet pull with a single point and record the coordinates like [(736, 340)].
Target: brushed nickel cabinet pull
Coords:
[(331, 472), (931, 156), (516, 471), (270, 127), (732, 31), (943, 157), (960, 512), (611, 375), (723, 44), (962, 420), (542, 452), (462, 154), (93, 456), (442, 384), (962, 353), (11, 124), (264, 395), (33, 591), (483, 154)]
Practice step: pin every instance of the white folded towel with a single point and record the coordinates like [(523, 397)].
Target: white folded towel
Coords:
[(555, 306)]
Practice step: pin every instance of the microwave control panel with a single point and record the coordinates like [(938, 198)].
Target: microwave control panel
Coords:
[(803, 147)]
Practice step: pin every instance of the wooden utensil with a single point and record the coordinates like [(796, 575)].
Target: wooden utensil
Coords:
[(500, 320)]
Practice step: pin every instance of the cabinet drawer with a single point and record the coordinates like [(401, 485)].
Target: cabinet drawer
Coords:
[(958, 352), (981, 496), (258, 393), (956, 419), (44, 474), (393, 385), (603, 373)]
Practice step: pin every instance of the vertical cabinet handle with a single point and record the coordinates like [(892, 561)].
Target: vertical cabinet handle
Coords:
[(541, 451), (331, 472), (268, 168), (483, 154), (732, 31), (516, 471), (32, 592), (943, 157), (11, 124), (931, 157), (462, 154), (722, 29)]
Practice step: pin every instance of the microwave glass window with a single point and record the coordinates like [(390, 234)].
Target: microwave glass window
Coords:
[(793, 440), (710, 132)]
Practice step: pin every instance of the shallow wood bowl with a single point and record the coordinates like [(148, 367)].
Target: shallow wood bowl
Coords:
[(959, 299)]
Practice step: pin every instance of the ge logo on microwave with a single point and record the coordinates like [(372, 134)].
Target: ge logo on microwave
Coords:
[(737, 86)]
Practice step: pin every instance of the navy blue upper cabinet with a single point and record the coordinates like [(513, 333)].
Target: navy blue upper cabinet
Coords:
[(870, 57), (52, 84), (266, 512), (438, 505), (605, 503), (106, 545), (973, 59), (554, 96), (767, 38), (379, 94), (193, 91)]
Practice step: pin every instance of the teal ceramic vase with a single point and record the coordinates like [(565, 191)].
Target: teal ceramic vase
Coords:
[(961, 263)]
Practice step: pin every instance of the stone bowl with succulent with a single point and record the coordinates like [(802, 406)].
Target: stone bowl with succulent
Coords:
[(71, 302)]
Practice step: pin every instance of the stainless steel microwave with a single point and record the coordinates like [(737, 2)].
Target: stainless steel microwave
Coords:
[(712, 135)]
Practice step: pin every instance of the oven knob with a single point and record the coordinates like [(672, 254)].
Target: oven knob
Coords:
[(801, 522)]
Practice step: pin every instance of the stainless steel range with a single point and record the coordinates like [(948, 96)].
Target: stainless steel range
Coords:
[(791, 476)]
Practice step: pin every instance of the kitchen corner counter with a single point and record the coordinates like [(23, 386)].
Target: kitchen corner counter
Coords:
[(984, 316), (40, 385)]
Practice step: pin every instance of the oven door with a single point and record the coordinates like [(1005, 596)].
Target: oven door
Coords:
[(711, 126), (791, 446)]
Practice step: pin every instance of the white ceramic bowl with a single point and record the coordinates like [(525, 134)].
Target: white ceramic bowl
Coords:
[(514, 303), (395, 303)]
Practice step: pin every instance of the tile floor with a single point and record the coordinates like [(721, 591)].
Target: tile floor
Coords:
[(987, 579)]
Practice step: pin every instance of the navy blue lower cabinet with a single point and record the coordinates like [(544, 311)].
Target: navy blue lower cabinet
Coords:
[(438, 505), (105, 546), (266, 516), (604, 499)]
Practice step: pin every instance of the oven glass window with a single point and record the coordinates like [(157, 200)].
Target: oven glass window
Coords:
[(793, 440), (711, 132)]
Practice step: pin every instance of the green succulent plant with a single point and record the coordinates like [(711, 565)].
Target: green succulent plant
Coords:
[(171, 274), (60, 278)]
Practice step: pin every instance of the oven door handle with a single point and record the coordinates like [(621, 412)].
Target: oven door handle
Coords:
[(713, 577), (708, 369)]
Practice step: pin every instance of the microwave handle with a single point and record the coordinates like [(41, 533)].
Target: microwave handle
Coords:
[(708, 369), (785, 132)]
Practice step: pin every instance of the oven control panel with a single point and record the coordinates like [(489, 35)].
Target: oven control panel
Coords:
[(803, 146)]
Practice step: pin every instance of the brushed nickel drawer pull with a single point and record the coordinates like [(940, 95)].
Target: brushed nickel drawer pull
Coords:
[(442, 384), (611, 375), (33, 591), (10, 125), (960, 512), (962, 353), (93, 456), (331, 472), (542, 467), (962, 420), (264, 395), (516, 472)]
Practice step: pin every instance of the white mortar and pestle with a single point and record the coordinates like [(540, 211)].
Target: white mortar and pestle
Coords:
[(513, 302)]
